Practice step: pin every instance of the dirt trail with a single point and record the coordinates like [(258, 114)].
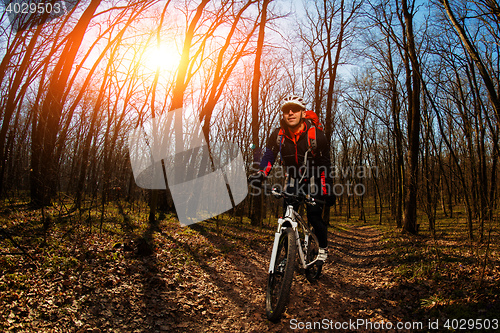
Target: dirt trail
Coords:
[(211, 277), (356, 284), (204, 279)]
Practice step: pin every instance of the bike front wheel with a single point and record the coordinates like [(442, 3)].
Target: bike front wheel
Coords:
[(314, 271), (280, 281)]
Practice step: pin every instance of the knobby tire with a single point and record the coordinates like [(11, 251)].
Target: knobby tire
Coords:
[(280, 282)]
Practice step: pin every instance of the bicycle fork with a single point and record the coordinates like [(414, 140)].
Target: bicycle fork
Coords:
[(277, 237), (302, 254)]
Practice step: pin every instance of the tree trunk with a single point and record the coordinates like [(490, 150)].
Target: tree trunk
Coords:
[(413, 74), (257, 206), (44, 165)]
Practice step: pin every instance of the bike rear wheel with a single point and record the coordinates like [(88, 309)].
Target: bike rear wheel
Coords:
[(280, 281), (313, 272)]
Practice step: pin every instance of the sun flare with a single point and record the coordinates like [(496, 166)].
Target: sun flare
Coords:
[(166, 58)]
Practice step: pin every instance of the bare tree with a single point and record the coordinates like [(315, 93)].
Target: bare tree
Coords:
[(329, 28), (492, 9), (47, 122), (413, 86), (257, 202)]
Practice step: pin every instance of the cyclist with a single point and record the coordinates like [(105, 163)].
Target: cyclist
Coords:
[(291, 141)]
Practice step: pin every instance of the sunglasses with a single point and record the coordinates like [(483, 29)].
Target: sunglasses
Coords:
[(287, 110)]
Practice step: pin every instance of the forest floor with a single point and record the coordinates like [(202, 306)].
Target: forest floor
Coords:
[(211, 277)]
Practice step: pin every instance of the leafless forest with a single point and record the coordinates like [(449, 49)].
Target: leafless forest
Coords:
[(408, 93)]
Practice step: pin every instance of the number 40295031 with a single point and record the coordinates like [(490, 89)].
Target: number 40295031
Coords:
[(35, 8), (471, 324)]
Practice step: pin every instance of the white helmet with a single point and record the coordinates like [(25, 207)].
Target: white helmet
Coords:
[(293, 100)]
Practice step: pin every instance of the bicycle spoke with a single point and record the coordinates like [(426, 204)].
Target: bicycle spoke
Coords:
[(313, 272)]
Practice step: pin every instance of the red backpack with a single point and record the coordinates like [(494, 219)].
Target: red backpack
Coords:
[(313, 121)]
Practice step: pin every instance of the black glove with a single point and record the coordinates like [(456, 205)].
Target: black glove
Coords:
[(256, 179)]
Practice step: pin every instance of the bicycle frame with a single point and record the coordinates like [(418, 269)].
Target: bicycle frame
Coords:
[(293, 219)]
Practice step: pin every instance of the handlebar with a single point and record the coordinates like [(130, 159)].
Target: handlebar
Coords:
[(277, 193)]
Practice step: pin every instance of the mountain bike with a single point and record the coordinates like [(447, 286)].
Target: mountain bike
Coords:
[(293, 236)]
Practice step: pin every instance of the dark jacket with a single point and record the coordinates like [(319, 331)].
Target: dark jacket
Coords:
[(293, 149)]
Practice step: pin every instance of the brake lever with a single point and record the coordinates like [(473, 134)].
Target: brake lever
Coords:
[(275, 193)]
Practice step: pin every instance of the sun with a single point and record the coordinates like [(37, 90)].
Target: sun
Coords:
[(164, 57)]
